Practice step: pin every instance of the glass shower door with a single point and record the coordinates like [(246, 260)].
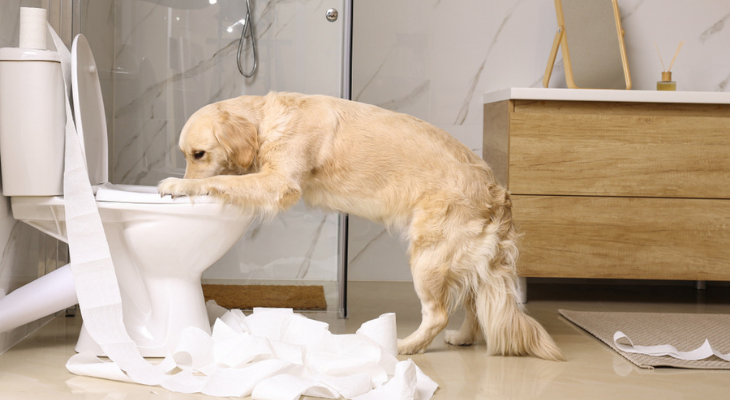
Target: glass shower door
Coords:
[(173, 57)]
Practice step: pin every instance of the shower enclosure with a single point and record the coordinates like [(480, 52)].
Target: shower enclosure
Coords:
[(161, 60)]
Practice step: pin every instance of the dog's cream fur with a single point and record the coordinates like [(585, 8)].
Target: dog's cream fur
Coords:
[(265, 153)]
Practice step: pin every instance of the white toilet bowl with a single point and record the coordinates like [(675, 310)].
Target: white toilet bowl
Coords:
[(160, 246)]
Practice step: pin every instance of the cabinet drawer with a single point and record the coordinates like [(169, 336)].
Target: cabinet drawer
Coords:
[(626, 238), (619, 149)]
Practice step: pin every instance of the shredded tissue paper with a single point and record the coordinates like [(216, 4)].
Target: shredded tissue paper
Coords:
[(270, 354), (277, 354)]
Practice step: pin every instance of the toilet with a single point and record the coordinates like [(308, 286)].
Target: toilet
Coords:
[(160, 246)]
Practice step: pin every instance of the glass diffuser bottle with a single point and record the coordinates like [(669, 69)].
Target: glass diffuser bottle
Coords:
[(666, 83)]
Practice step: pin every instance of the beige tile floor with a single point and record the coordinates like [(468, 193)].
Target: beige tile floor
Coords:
[(34, 369)]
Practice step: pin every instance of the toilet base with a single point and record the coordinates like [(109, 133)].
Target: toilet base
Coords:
[(176, 303)]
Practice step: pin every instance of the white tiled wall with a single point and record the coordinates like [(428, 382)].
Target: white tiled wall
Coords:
[(435, 59)]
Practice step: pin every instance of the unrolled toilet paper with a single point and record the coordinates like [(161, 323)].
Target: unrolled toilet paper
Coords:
[(700, 353), (33, 28), (271, 354), (274, 354)]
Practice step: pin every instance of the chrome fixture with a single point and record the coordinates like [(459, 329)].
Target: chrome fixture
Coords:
[(247, 25)]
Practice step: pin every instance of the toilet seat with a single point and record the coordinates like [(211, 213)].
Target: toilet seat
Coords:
[(142, 194), (120, 197), (111, 193)]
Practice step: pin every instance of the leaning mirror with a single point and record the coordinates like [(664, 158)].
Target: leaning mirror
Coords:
[(591, 40)]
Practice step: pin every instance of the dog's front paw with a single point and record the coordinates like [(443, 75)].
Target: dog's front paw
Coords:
[(170, 186), (176, 187)]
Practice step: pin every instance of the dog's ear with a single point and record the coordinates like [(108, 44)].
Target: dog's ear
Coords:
[(239, 138)]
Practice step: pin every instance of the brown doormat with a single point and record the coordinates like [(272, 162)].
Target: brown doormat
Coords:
[(247, 297), (684, 331)]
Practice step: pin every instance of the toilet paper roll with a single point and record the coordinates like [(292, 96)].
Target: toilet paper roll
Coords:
[(33, 29), (382, 331)]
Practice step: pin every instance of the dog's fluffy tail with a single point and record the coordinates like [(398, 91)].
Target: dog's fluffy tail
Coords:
[(506, 327)]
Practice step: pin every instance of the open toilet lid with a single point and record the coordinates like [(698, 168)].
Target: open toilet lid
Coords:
[(89, 110)]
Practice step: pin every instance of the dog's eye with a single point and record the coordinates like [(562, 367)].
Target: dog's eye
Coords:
[(198, 154)]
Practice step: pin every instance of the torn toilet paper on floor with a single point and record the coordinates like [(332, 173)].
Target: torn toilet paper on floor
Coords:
[(277, 354), (704, 351)]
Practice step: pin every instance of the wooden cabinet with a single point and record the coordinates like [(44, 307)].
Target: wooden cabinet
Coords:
[(637, 190)]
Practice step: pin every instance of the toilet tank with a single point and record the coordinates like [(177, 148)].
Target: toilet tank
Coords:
[(32, 121)]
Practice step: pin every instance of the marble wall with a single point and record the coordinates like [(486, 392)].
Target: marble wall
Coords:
[(172, 57), (435, 60), (27, 253), (431, 59)]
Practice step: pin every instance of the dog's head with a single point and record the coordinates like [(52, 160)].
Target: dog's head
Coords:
[(218, 142)]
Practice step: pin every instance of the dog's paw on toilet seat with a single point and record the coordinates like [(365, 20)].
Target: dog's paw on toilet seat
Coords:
[(167, 186), (177, 187)]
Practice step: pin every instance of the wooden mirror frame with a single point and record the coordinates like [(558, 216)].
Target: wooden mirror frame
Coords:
[(561, 40)]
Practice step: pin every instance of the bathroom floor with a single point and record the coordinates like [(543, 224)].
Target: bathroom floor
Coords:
[(34, 369)]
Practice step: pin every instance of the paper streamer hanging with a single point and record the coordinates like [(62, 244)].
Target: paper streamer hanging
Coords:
[(94, 277), (271, 354), (700, 353)]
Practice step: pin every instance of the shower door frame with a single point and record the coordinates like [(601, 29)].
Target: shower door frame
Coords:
[(343, 219)]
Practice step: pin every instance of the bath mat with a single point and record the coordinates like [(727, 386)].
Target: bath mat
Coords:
[(684, 331), (246, 297)]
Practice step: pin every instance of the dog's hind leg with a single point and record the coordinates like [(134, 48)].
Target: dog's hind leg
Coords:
[(431, 286), (469, 331)]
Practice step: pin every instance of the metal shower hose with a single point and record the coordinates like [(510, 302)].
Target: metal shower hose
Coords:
[(247, 25)]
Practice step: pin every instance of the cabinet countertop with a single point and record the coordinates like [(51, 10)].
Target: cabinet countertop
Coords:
[(639, 96)]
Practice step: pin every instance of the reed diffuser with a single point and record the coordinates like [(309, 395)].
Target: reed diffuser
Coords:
[(667, 83)]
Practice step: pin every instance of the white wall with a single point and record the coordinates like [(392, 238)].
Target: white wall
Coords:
[(435, 59)]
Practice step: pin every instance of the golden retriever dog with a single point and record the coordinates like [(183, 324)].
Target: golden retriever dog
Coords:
[(263, 154)]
